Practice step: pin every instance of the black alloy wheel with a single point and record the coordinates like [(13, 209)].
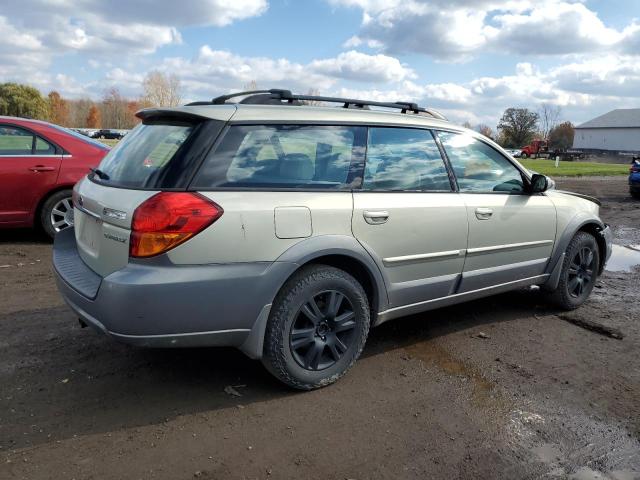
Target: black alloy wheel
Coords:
[(323, 330), (581, 271)]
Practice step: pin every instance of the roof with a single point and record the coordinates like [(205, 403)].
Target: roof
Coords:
[(5, 118), (297, 113), (620, 118)]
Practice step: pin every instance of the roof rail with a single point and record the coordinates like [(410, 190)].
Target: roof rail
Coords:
[(285, 96)]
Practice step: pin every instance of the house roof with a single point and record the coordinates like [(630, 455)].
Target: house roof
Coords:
[(620, 118)]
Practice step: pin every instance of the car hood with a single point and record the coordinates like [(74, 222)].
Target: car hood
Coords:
[(581, 195)]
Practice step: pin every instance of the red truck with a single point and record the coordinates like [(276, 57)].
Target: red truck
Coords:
[(540, 148), (536, 149)]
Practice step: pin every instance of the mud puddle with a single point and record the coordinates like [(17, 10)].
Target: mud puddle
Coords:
[(624, 258)]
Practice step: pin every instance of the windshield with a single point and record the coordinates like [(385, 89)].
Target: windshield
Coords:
[(143, 157)]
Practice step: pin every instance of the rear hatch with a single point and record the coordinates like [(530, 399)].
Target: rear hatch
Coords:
[(161, 154)]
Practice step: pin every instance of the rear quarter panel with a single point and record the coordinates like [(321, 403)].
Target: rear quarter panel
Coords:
[(246, 232)]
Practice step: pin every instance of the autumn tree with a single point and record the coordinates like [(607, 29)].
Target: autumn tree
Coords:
[(561, 137), (313, 92), (251, 85), (133, 106), (93, 117), (79, 112), (517, 127), (114, 111), (17, 100), (485, 130), (58, 109), (161, 90), (548, 116)]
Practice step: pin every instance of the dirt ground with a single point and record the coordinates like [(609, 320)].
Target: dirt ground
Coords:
[(497, 388)]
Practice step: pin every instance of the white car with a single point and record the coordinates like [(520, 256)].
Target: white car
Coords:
[(288, 230)]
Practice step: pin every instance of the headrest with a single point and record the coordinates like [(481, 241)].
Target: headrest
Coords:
[(297, 166)]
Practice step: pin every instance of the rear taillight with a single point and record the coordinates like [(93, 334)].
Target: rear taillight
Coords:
[(169, 218), (634, 169)]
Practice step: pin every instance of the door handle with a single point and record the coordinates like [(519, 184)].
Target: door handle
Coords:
[(376, 217), (483, 213), (41, 168)]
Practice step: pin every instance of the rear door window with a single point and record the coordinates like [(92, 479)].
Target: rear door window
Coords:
[(15, 141), (404, 159), (285, 156)]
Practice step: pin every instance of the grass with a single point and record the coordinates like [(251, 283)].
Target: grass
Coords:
[(109, 143), (574, 169)]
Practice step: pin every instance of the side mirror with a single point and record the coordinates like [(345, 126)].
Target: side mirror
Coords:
[(539, 183)]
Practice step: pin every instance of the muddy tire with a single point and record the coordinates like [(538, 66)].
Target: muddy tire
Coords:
[(579, 272), (57, 213), (317, 327)]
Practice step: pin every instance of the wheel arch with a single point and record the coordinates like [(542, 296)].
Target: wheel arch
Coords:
[(343, 252), (592, 226), (594, 229), (339, 251)]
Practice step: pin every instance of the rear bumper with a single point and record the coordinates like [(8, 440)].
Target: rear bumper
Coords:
[(158, 304)]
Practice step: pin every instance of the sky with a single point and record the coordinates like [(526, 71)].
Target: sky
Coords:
[(470, 59)]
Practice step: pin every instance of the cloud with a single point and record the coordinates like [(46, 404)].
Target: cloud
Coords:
[(583, 89), (212, 71), (358, 66), (457, 30), (41, 30)]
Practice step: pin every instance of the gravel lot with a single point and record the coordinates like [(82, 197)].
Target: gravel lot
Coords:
[(498, 388)]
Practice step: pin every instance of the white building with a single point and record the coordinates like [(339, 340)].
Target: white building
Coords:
[(616, 131)]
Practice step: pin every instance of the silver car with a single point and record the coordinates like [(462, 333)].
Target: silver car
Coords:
[(288, 230)]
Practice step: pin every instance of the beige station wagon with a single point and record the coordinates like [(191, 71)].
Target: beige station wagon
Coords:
[(288, 230)]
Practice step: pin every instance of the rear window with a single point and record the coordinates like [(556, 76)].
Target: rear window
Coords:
[(80, 137), (285, 156), (144, 158)]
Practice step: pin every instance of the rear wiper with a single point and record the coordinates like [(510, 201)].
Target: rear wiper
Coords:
[(101, 175)]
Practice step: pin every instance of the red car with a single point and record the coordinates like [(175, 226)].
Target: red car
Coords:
[(39, 164)]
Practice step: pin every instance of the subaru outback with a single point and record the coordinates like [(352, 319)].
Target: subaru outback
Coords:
[(287, 230)]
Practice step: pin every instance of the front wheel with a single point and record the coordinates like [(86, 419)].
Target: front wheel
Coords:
[(317, 328), (57, 213), (579, 271)]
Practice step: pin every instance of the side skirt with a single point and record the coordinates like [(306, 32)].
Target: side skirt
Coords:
[(458, 298)]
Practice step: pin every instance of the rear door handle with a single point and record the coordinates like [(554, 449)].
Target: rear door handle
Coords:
[(375, 217), (41, 168), (483, 213)]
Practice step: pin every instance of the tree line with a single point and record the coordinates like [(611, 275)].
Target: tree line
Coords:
[(113, 110), (520, 126), (517, 126)]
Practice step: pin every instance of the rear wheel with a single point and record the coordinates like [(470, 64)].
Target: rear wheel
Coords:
[(57, 213), (635, 194), (579, 271), (317, 328)]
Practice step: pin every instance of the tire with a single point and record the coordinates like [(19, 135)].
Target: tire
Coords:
[(635, 194), (524, 155), (57, 213), (311, 345), (579, 272)]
